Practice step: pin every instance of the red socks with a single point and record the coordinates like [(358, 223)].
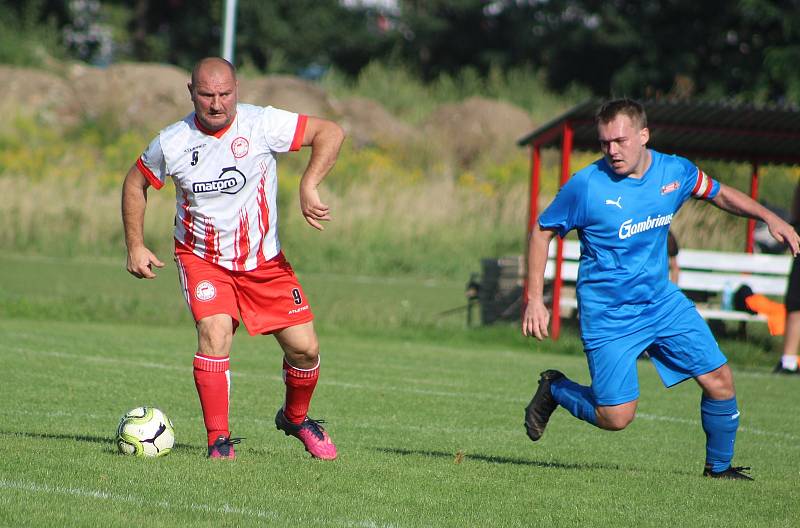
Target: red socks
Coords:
[(212, 379), (300, 385)]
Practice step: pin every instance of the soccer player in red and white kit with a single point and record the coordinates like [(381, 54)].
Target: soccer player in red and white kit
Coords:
[(222, 160)]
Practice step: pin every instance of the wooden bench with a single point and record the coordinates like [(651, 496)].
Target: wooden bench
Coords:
[(704, 276)]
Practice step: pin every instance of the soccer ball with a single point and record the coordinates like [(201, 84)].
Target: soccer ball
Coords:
[(145, 432)]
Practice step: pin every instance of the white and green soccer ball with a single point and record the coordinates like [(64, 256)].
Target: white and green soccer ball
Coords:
[(145, 432)]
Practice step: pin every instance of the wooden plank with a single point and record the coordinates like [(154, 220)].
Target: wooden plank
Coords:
[(708, 260), (694, 280), (572, 250), (728, 315), (705, 313), (569, 271), (569, 302), (734, 262), (704, 271), (715, 282)]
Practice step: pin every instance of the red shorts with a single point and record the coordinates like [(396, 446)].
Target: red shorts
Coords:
[(269, 298)]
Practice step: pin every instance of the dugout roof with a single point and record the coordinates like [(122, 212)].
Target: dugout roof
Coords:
[(765, 135)]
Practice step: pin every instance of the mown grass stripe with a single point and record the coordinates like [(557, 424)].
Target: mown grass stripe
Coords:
[(224, 509)]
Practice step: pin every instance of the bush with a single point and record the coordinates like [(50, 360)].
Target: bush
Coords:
[(25, 41)]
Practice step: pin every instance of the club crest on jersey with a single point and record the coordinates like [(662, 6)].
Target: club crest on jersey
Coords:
[(240, 146), (230, 181), (205, 291), (668, 188)]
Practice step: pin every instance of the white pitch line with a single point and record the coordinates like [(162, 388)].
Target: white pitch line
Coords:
[(54, 414), (224, 509), (742, 429), (382, 387), (429, 282), (106, 261), (752, 374), (477, 430), (235, 374)]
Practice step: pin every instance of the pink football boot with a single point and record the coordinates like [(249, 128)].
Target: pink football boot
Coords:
[(223, 448), (310, 432)]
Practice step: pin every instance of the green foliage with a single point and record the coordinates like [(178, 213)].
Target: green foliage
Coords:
[(29, 37), (94, 153), (744, 50), (398, 89), (395, 211), (395, 87), (296, 36)]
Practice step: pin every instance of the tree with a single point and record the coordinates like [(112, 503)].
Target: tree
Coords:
[(745, 49)]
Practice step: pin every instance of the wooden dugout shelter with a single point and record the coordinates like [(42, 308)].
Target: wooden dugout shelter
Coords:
[(696, 130)]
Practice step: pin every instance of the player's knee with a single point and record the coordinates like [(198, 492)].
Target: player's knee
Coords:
[(214, 336), (310, 350), (618, 423), (718, 384), (720, 392), (614, 419), (303, 352)]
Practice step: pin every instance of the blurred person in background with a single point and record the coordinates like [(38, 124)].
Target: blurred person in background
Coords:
[(791, 336)]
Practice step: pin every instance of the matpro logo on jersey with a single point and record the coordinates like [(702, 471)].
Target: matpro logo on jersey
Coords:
[(229, 181), (627, 229)]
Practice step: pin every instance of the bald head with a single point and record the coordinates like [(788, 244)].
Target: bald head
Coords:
[(216, 65), (213, 90)]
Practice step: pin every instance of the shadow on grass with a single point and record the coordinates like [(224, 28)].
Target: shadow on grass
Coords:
[(493, 459), (104, 440)]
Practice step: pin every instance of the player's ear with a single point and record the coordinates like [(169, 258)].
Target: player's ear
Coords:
[(189, 86), (644, 134)]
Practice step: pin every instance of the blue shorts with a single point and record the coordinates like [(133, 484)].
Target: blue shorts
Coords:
[(677, 339)]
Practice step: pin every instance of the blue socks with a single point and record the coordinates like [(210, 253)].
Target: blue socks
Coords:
[(575, 398), (720, 420)]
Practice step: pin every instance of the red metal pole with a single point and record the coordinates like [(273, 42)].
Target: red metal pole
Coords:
[(566, 151), (751, 224), (536, 170), (533, 212)]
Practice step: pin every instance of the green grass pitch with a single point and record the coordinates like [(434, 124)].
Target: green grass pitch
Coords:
[(428, 424)]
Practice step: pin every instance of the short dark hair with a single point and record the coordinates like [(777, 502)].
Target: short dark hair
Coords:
[(629, 107)]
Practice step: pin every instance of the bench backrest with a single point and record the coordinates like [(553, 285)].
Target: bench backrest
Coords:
[(706, 271), (711, 270)]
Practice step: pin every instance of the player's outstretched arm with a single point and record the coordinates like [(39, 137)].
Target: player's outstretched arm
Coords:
[(134, 202), (325, 139), (736, 202), (536, 318)]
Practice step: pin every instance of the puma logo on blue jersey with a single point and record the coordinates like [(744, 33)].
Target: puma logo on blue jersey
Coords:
[(612, 202)]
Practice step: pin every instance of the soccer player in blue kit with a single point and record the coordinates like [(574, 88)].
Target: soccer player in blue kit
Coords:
[(622, 206)]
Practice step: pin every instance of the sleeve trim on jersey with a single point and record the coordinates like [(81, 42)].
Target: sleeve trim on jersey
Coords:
[(299, 132), (703, 186), (148, 174)]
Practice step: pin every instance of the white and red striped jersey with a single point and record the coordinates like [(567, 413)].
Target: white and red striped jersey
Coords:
[(226, 182)]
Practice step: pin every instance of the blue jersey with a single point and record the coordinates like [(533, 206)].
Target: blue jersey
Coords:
[(622, 225)]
